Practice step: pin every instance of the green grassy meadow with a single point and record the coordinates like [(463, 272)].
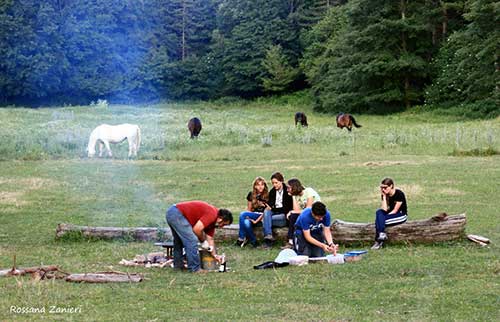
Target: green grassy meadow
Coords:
[(443, 163)]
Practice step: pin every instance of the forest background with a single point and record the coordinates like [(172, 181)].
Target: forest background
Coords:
[(354, 56)]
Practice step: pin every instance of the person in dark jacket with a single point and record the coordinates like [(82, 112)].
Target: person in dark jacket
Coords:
[(279, 205)]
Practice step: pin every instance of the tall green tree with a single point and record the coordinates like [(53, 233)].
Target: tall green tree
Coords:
[(468, 64), (32, 60), (280, 74), (380, 62), (248, 28)]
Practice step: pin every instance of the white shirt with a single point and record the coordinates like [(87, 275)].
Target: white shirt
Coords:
[(279, 199)]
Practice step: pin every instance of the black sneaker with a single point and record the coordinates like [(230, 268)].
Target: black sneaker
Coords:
[(268, 243), (240, 242), (254, 244)]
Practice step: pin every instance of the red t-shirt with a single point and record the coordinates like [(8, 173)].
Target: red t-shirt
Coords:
[(202, 211)]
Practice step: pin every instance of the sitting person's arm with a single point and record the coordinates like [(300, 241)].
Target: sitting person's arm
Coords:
[(296, 208), (256, 220), (396, 208)]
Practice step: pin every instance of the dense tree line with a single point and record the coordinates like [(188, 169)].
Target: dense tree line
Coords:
[(358, 55)]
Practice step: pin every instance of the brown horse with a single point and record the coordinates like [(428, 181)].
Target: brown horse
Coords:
[(194, 127), (346, 120), (300, 117)]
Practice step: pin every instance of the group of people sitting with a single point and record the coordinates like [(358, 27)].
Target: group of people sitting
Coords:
[(286, 204), (308, 219)]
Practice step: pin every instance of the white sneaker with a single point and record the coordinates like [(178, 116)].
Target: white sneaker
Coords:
[(382, 236), (377, 245)]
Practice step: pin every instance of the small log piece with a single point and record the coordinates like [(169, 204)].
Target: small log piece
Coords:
[(105, 277), (28, 270), (132, 233)]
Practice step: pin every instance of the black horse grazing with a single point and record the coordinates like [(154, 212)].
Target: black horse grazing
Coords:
[(194, 127), (346, 120), (300, 117)]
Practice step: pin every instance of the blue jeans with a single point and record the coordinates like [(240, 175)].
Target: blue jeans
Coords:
[(303, 247), (184, 237), (273, 219), (246, 226), (383, 219)]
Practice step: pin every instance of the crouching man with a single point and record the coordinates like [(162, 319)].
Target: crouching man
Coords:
[(192, 222), (312, 232)]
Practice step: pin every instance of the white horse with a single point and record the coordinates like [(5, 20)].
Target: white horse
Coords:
[(106, 134)]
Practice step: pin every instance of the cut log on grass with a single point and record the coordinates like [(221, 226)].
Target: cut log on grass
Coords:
[(129, 233), (28, 270), (105, 277), (436, 229)]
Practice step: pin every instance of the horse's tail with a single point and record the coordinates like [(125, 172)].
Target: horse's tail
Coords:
[(138, 138), (354, 121)]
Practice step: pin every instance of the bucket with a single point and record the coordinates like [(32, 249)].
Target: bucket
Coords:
[(208, 262)]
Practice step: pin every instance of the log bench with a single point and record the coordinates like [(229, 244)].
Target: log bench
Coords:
[(435, 229)]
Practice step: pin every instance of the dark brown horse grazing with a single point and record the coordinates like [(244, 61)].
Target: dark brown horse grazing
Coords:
[(194, 127), (300, 117), (346, 120)]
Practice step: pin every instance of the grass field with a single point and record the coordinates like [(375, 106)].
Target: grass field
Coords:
[(442, 163)]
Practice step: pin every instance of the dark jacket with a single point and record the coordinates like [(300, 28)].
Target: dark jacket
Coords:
[(287, 201)]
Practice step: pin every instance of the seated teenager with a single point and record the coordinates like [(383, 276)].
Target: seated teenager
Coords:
[(256, 204), (280, 203), (313, 236), (393, 210), (302, 198)]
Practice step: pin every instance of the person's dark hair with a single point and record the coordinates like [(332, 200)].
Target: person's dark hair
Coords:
[(387, 182), (278, 176), (226, 215), (319, 209), (295, 186)]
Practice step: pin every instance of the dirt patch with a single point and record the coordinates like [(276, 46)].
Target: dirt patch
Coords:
[(451, 192), (384, 163), (12, 198), (29, 183), (410, 190)]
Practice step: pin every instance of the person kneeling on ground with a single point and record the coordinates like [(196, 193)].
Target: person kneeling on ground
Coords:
[(393, 211), (313, 236), (192, 222)]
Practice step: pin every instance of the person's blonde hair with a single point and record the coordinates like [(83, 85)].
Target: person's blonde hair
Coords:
[(264, 195)]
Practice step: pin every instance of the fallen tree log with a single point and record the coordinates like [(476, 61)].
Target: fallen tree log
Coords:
[(130, 233), (105, 277), (436, 229)]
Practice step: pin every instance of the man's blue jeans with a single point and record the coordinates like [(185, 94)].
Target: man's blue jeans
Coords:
[(273, 219), (184, 237)]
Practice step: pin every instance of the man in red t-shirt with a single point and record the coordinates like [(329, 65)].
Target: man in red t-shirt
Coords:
[(192, 222)]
